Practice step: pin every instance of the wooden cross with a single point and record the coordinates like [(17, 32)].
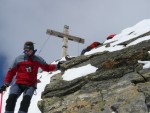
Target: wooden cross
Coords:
[(65, 35)]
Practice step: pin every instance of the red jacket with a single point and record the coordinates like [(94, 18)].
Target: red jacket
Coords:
[(94, 45), (111, 36), (26, 68)]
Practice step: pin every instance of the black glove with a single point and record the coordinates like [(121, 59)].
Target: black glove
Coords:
[(3, 88), (59, 65)]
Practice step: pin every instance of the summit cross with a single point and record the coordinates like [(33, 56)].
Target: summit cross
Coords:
[(65, 35)]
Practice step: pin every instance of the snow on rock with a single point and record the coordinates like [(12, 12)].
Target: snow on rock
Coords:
[(73, 73)]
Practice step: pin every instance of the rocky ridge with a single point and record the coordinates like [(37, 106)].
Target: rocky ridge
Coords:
[(119, 85)]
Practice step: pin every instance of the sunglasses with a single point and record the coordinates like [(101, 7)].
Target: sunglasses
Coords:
[(27, 50)]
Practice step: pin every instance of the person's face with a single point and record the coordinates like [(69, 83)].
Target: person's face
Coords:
[(28, 52)]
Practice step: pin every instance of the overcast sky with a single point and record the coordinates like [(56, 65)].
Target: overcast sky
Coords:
[(93, 20)]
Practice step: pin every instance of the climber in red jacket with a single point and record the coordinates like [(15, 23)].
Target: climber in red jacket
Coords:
[(111, 36), (91, 46), (25, 68)]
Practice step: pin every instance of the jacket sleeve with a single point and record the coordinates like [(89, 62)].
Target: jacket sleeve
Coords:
[(52, 67), (46, 67), (11, 73)]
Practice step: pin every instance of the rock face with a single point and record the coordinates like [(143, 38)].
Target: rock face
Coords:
[(119, 85)]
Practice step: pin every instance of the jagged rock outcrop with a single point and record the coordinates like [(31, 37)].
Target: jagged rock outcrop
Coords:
[(120, 84)]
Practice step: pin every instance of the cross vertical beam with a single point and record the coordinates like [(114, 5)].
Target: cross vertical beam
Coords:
[(65, 41)]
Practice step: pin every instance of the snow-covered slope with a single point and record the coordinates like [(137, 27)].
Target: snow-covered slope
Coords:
[(127, 34), (140, 28)]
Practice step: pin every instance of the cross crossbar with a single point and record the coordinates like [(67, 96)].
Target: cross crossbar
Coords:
[(62, 35)]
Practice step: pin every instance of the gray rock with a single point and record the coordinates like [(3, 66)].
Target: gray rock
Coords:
[(119, 85)]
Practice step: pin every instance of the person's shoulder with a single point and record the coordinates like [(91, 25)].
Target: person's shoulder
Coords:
[(18, 59), (20, 56), (38, 58)]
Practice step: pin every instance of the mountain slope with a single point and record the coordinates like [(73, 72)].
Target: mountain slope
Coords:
[(107, 79), (120, 84)]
